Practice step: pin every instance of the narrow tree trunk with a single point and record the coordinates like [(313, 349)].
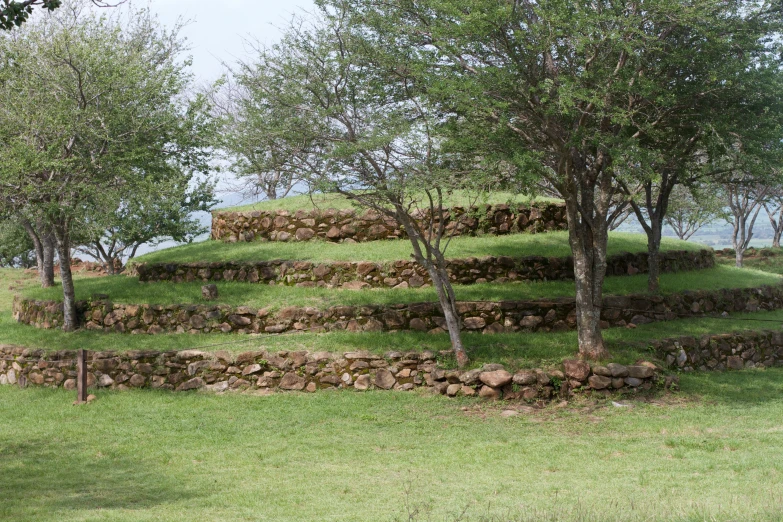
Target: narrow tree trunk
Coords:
[(654, 256), (48, 242), (435, 264), (70, 322), (776, 239), (453, 323)]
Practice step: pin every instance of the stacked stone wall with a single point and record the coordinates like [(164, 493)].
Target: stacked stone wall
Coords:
[(306, 371), (408, 274), (735, 351), (481, 316), (351, 225)]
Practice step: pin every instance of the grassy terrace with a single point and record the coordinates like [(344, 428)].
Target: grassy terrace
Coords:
[(551, 244), (324, 201), (515, 350), (122, 289)]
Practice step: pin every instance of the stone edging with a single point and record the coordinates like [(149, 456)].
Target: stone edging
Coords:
[(481, 316), (306, 371), (351, 226), (407, 273)]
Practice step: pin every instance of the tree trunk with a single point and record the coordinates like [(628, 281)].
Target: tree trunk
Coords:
[(739, 256), (48, 242), (654, 255), (70, 322), (449, 305), (588, 244), (44, 251), (435, 264)]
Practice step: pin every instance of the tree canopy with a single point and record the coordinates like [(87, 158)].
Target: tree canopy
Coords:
[(90, 105)]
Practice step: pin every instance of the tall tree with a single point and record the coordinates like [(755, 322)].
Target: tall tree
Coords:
[(88, 102), (354, 121), (563, 87)]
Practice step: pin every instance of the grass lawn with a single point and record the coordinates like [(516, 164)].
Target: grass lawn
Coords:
[(551, 244), (705, 453), (324, 201), (123, 289)]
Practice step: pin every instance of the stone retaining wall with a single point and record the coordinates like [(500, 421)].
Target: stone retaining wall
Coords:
[(753, 349), (408, 274), (306, 371), (351, 225), (481, 316)]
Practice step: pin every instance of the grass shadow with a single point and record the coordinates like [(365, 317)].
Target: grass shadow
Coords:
[(44, 477)]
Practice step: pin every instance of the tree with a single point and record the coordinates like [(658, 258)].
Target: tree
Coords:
[(251, 150), (86, 103), (774, 208), (153, 210), (353, 121), (729, 87), (745, 198), (565, 88), (14, 13), (692, 208)]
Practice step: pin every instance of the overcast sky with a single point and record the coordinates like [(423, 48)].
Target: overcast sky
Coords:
[(219, 28)]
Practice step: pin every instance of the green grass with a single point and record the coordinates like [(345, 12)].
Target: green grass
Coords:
[(551, 244), (123, 289), (324, 201), (706, 453)]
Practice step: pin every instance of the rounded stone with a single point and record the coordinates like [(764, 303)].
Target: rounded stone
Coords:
[(496, 379)]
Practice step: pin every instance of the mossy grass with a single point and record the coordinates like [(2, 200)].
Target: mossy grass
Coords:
[(704, 453), (324, 201), (123, 289), (551, 244)]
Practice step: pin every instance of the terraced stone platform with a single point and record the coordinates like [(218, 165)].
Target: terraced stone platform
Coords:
[(408, 274), (350, 225), (483, 316)]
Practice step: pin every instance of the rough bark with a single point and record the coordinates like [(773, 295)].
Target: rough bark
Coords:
[(587, 209), (49, 249), (69, 293), (43, 243)]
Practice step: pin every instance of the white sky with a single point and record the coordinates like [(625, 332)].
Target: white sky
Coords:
[(219, 28)]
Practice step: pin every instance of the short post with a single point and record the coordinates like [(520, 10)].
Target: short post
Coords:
[(81, 376)]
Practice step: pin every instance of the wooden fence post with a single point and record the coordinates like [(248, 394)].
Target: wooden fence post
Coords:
[(81, 376)]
